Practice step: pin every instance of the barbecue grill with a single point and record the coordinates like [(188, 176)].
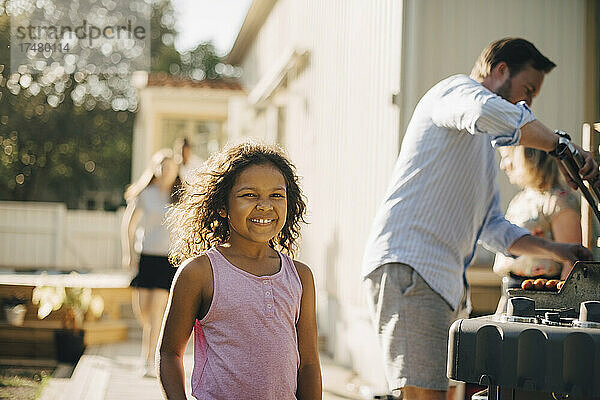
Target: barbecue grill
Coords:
[(547, 344)]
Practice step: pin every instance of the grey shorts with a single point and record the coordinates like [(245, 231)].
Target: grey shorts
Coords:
[(412, 323)]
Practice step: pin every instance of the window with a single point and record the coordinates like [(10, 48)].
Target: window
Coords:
[(205, 136), (281, 115), (171, 130)]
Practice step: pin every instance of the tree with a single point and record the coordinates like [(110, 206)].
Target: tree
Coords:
[(64, 134), (164, 56), (202, 63), (55, 145)]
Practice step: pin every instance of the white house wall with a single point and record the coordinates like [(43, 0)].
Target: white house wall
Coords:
[(344, 133)]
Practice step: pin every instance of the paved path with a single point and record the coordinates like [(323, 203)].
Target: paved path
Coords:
[(111, 372)]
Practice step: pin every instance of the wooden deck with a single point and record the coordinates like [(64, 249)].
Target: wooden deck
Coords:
[(35, 338), (113, 288), (111, 372)]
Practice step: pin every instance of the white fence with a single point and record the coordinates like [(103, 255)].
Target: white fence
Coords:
[(48, 236)]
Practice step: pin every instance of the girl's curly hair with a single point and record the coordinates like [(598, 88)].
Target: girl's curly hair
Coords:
[(194, 220)]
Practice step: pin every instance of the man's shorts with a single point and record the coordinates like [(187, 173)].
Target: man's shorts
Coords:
[(412, 322)]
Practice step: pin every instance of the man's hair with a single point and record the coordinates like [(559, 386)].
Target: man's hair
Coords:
[(517, 53)]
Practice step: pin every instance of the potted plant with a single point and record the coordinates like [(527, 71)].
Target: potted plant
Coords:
[(77, 302), (15, 310)]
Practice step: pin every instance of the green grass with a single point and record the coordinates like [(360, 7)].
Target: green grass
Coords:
[(23, 383)]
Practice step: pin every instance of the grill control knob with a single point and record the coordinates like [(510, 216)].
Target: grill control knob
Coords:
[(552, 316), (589, 311), (520, 307)]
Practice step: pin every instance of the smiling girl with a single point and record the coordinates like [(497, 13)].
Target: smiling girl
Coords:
[(250, 306)]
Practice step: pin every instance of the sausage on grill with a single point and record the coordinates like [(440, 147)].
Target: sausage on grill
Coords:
[(527, 284), (551, 284), (539, 284)]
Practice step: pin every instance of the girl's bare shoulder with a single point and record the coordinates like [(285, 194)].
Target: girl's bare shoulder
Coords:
[(195, 269), (304, 271)]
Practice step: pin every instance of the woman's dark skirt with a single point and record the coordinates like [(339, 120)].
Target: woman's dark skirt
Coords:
[(154, 272)]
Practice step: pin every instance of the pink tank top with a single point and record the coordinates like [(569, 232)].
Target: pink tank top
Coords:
[(246, 346)]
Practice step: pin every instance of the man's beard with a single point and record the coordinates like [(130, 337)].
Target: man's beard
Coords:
[(504, 90)]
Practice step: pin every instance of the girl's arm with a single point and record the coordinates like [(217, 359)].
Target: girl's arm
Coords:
[(192, 280), (131, 218), (309, 372), (566, 228)]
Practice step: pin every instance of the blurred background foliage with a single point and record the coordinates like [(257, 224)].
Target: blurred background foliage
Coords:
[(64, 135)]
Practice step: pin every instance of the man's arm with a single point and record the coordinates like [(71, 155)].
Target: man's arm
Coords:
[(540, 247), (536, 135), (497, 233), (466, 105), (500, 235)]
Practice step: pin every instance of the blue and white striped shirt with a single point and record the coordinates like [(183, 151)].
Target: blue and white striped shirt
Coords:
[(443, 195)]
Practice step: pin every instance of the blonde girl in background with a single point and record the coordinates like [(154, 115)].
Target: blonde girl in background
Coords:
[(545, 206)]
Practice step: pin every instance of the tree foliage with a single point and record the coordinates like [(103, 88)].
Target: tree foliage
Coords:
[(62, 135), (54, 144)]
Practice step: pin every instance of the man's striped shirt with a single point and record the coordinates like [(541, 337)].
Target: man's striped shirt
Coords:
[(443, 195)]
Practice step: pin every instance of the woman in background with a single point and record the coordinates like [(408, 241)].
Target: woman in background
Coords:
[(545, 206), (187, 161), (147, 202)]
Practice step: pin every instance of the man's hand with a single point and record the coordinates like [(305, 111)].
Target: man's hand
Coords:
[(541, 247), (589, 170), (570, 252), (538, 136)]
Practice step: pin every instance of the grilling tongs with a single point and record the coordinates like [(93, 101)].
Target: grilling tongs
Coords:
[(572, 161)]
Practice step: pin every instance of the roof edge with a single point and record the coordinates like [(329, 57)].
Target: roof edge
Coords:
[(161, 79), (255, 18)]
